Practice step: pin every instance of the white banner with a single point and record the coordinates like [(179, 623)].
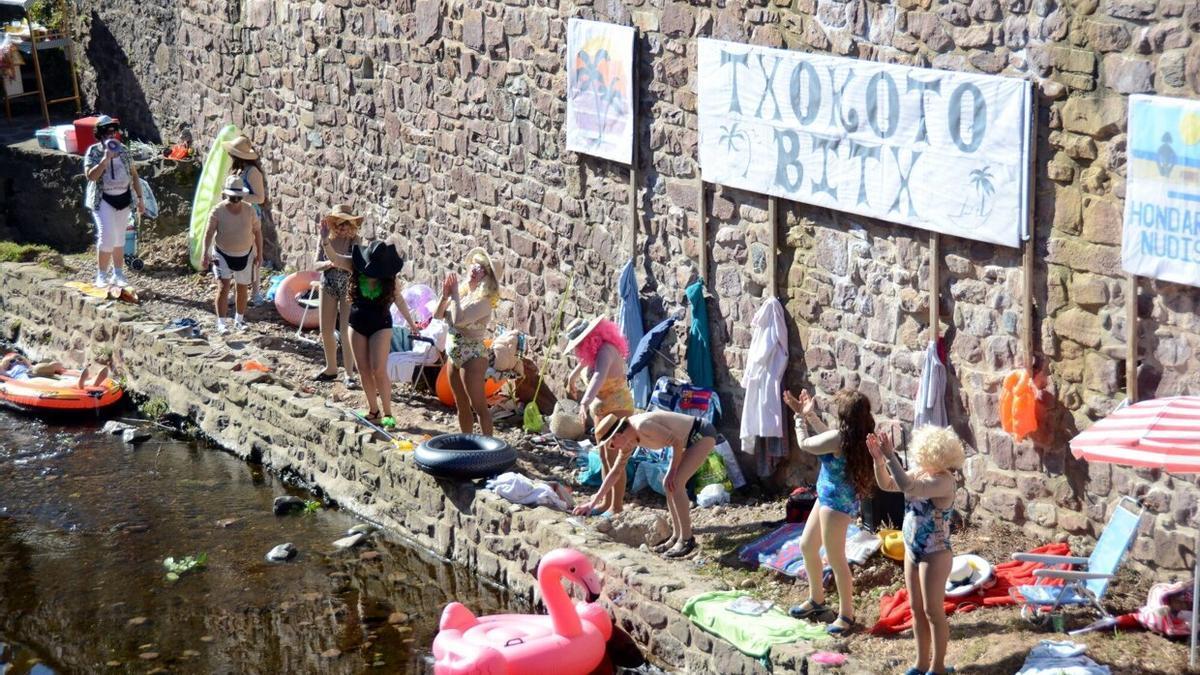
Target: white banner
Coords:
[(1161, 237), (599, 89), (939, 150)]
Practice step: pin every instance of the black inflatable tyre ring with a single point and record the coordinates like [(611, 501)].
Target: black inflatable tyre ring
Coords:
[(465, 456)]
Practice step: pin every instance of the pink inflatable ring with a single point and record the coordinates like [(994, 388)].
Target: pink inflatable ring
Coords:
[(287, 299)]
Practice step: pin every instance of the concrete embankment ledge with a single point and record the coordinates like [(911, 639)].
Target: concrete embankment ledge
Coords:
[(259, 418)]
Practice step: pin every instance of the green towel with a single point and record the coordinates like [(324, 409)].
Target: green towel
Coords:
[(753, 635)]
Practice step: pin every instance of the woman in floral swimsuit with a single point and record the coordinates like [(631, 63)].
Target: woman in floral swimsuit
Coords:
[(929, 500), (470, 311)]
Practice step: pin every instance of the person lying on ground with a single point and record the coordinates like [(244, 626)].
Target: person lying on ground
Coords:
[(233, 247), (845, 479), (18, 367), (656, 430), (602, 350), (929, 491)]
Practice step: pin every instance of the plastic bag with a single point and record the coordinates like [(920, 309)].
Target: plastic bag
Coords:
[(712, 495), (711, 472), (736, 478), (649, 474)]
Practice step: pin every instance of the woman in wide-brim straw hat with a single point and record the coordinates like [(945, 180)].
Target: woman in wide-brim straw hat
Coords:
[(469, 310), (247, 165), (602, 350), (338, 236)]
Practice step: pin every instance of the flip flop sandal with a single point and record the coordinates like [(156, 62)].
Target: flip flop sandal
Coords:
[(834, 629), (350, 383), (663, 546), (324, 377), (947, 671), (681, 549), (914, 671), (814, 608), (372, 416)]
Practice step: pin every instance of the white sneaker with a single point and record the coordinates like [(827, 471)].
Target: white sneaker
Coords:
[(222, 329), (239, 324), (118, 278), (101, 280)]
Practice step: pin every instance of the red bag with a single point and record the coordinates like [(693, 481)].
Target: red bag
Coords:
[(799, 504)]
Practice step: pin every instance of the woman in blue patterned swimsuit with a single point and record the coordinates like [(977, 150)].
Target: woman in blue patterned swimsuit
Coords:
[(845, 478), (928, 504)]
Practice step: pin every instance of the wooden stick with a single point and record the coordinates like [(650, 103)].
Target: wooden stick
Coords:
[(1131, 336), (935, 285), (1027, 261), (702, 210), (773, 244), (633, 159), (37, 69)]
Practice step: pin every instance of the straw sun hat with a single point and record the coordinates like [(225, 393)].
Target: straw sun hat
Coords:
[(342, 213), (478, 255), (578, 330), (241, 148)]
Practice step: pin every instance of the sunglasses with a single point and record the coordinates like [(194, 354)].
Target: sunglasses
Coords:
[(234, 200)]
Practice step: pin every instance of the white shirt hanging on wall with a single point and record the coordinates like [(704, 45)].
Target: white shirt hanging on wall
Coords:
[(762, 413)]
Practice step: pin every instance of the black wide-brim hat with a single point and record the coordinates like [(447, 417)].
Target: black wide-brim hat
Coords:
[(378, 260)]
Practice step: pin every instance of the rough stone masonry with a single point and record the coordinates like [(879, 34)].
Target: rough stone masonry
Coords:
[(442, 120)]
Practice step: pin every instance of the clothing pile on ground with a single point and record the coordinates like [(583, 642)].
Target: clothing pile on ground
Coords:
[(1060, 658), (895, 612), (519, 489), (780, 550)]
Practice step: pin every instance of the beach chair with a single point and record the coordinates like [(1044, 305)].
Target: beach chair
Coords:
[(427, 354), (1079, 587)]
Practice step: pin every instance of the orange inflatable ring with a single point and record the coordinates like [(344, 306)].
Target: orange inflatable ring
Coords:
[(58, 393), (287, 299), (446, 395)]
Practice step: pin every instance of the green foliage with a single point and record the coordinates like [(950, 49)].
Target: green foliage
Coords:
[(155, 408), (311, 506), (49, 13), (177, 568), (13, 252)]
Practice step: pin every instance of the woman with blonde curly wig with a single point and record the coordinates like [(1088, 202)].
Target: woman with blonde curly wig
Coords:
[(469, 312), (928, 504)]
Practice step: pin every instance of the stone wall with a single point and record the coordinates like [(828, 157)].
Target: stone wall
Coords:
[(288, 431), (442, 121)]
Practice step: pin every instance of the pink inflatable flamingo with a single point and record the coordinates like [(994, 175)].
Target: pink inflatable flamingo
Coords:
[(568, 642)]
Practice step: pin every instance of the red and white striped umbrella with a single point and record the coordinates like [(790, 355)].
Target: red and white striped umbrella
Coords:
[(1162, 433)]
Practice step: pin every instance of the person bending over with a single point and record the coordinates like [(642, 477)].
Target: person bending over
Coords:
[(656, 430), (602, 351)]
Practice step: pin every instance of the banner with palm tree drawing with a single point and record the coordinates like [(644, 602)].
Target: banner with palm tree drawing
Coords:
[(600, 89), (939, 150), (1162, 190)]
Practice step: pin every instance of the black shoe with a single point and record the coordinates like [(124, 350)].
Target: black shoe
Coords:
[(813, 609), (681, 548)]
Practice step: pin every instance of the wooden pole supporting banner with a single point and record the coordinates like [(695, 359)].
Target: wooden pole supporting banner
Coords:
[(773, 244), (1131, 337), (633, 158), (935, 285), (702, 210)]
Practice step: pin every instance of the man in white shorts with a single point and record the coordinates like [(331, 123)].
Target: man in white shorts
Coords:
[(233, 247)]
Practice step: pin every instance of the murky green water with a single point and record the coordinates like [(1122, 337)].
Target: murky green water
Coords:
[(85, 523)]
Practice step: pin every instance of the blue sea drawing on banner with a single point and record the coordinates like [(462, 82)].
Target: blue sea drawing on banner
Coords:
[(599, 89)]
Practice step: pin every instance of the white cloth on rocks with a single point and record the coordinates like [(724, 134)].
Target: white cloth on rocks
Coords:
[(762, 412), (518, 489), (931, 394)]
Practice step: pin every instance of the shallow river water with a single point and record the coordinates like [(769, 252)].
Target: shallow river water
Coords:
[(85, 523)]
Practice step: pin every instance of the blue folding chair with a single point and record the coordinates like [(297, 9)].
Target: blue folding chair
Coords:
[(1080, 587)]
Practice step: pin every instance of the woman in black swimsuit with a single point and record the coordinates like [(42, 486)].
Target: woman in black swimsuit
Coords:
[(373, 289)]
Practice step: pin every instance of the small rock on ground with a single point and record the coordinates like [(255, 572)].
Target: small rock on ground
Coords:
[(351, 541), (286, 504), (364, 528), (282, 552), (135, 436)]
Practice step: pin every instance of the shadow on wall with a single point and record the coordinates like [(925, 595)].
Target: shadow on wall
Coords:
[(118, 91)]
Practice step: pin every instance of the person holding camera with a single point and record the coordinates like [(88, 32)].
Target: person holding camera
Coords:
[(112, 186)]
